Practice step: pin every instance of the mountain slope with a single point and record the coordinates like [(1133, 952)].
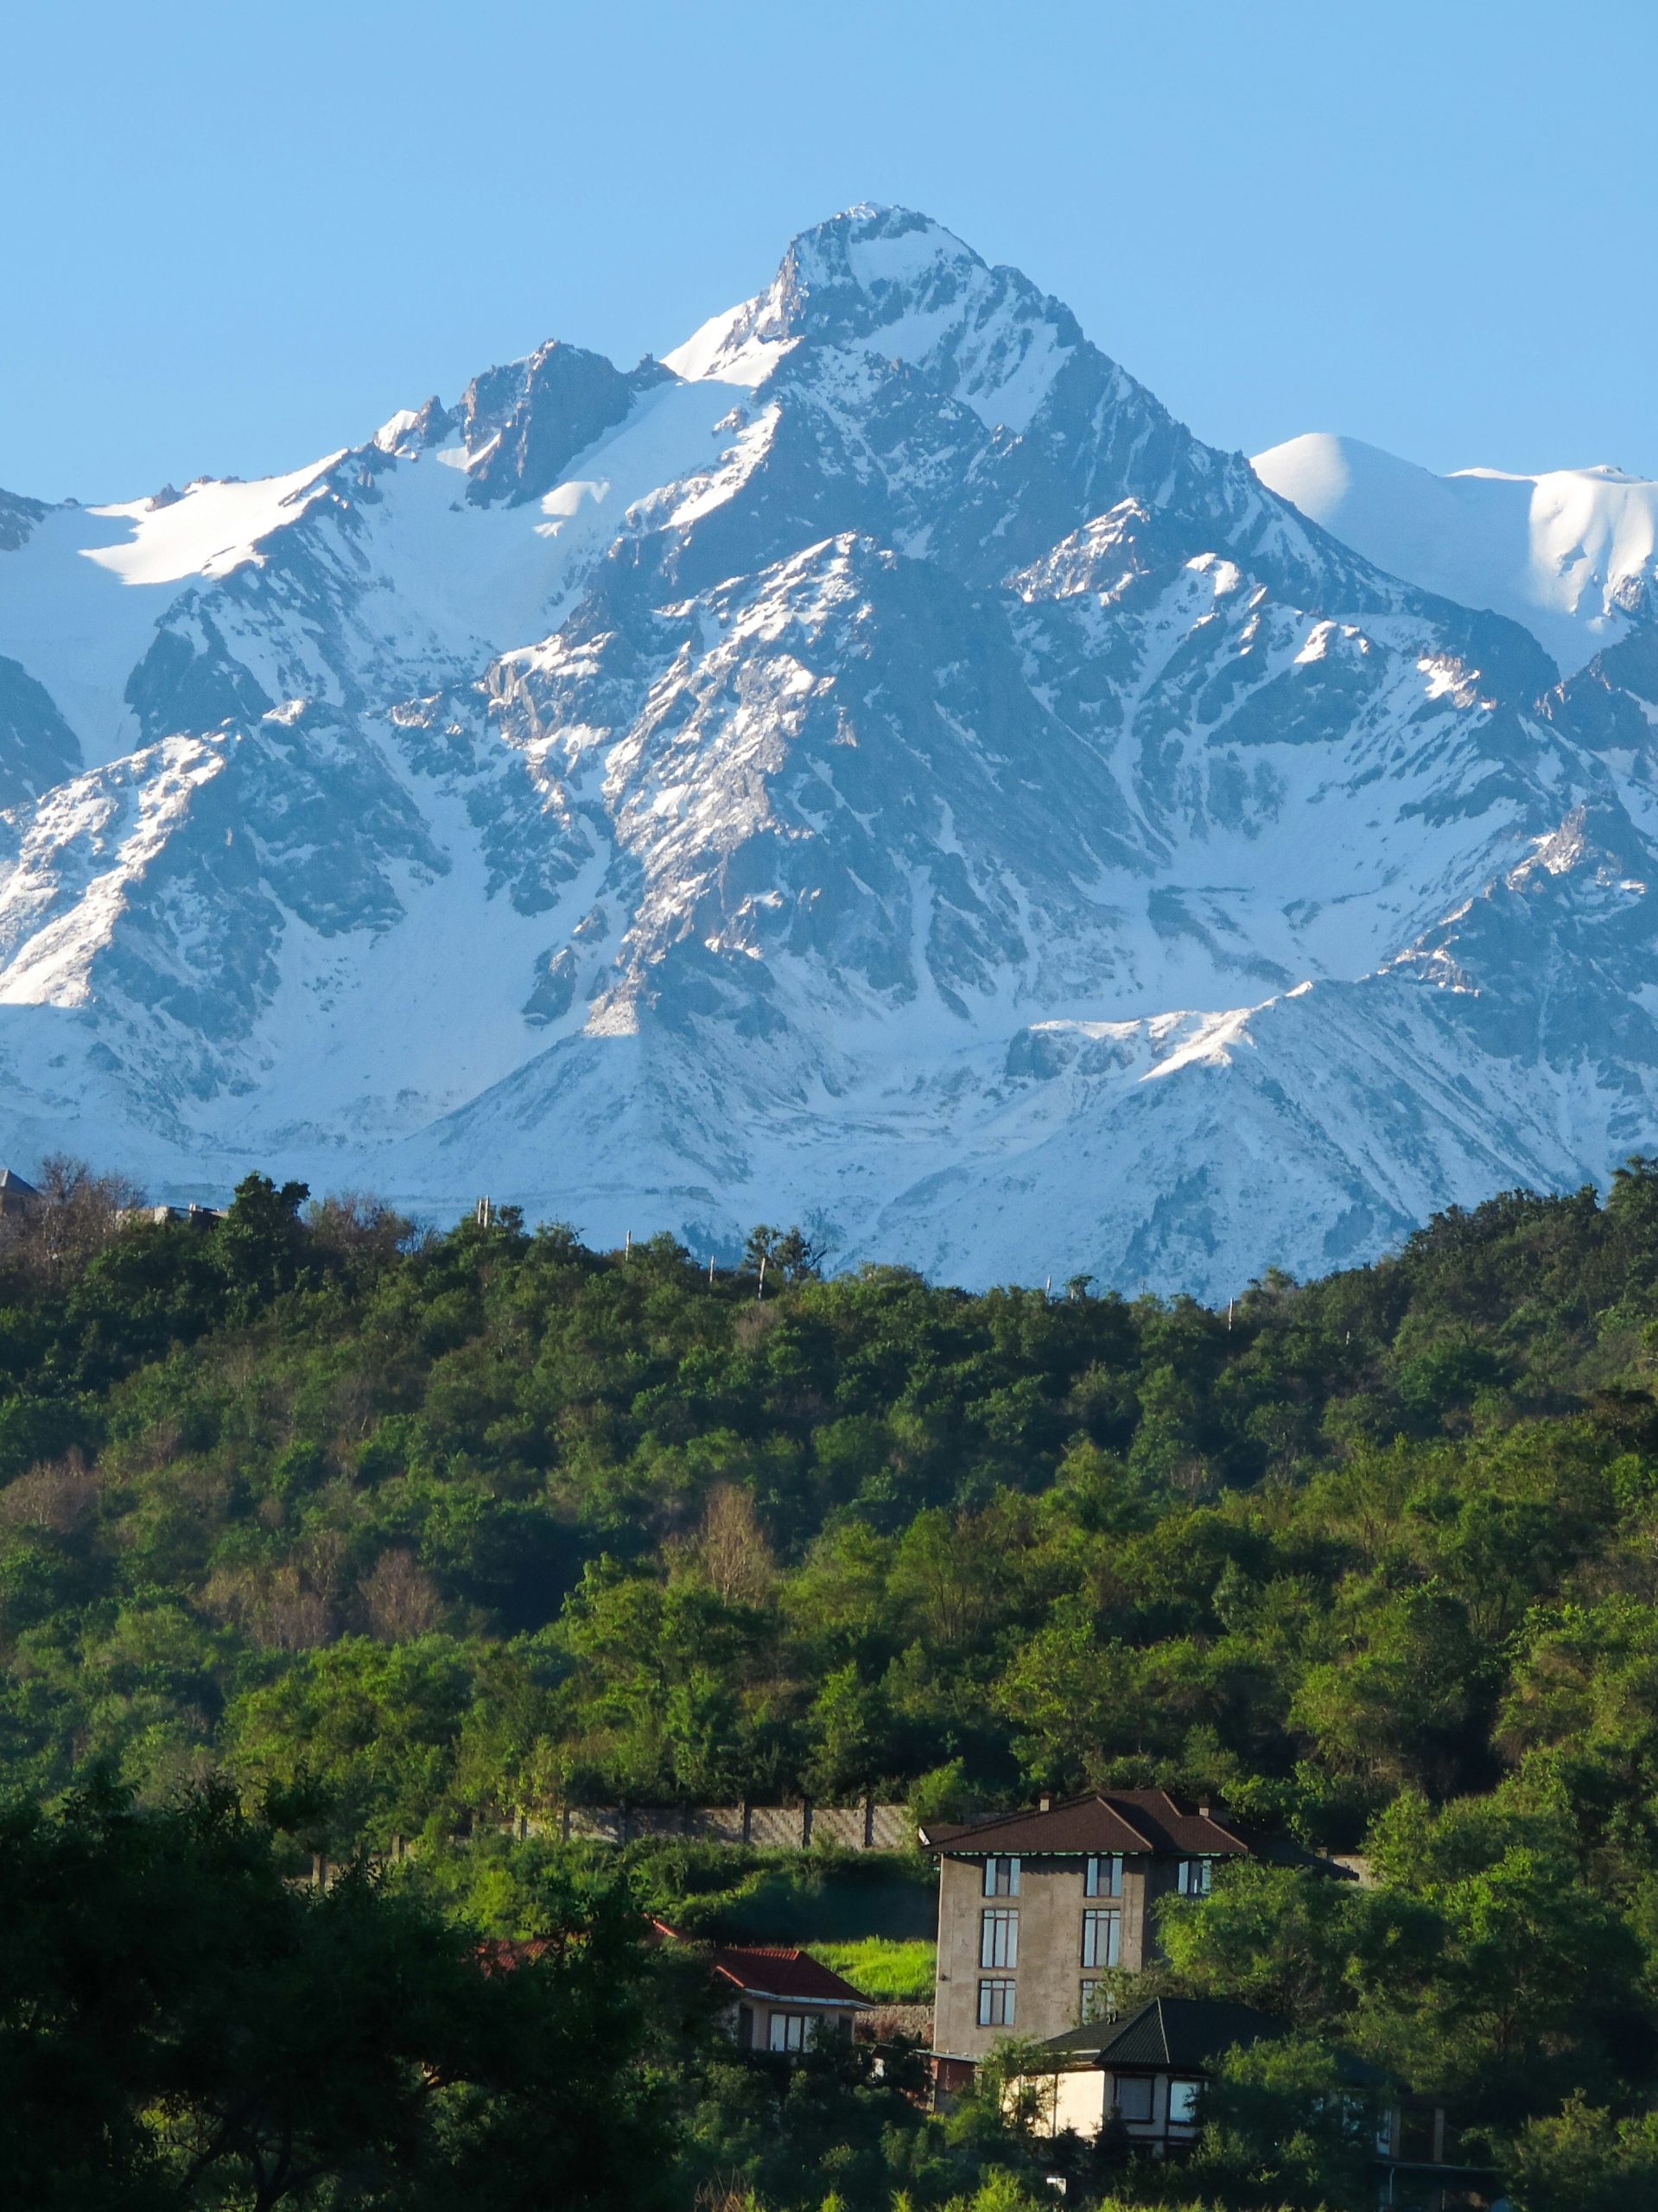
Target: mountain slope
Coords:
[(1571, 553), (874, 767)]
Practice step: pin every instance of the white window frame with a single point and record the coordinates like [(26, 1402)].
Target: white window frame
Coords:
[(1102, 1876), (997, 1998), (998, 1937), (1194, 1877), (1109, 1954), (1001, 1877)]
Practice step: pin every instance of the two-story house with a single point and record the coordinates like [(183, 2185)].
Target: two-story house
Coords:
[(1034, 1907)]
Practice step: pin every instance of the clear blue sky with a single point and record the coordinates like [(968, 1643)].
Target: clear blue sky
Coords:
[(240, 233)]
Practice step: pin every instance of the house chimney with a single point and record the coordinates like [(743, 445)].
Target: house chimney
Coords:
[(1045, 1802)]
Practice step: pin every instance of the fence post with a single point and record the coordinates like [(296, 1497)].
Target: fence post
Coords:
[(868, 1818), (748, 1820), (805, 1823)]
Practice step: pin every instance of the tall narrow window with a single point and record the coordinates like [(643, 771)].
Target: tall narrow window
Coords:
[(1194, 1878), (998, 1936), (1001, 1877), (1102, 1938), (996, 2004), (1103, 1878)]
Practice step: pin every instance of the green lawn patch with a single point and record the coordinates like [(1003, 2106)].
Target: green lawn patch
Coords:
[(891, 1971)]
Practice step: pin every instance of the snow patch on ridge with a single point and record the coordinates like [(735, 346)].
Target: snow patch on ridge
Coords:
[(1571, 553), (211, 528)]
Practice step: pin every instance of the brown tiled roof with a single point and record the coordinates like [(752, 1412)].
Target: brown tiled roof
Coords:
[(772, 1969), (500, 1953), (777, 1972), (1105, 1821)]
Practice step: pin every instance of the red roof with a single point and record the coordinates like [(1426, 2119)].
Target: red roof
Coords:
[(500, 1953), (770, 1970), (1126, 1820)]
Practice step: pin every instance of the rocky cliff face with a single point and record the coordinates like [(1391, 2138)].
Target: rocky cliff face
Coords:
[(874, 767)]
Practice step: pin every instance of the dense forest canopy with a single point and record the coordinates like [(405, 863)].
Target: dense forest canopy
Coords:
[(420, 1532), (485, 1521)]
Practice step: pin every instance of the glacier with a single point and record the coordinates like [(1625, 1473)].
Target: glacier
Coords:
[(873, 766)]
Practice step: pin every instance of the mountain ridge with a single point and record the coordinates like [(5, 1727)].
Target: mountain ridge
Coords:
[(895, 775)]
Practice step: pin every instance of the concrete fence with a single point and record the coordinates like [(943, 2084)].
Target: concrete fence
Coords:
[(868, 1826)]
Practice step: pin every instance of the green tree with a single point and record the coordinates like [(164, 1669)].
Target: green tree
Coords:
[(182, 2025)]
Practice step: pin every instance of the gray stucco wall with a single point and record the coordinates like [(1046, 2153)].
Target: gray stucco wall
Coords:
[(1050, 1974)]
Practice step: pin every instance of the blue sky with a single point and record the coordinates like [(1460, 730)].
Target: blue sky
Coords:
[(241, 233)]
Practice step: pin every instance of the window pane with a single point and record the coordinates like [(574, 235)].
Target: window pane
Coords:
[(1133, 2099), (998, 1936), (1183, 2102), (996, 2004), (1101, 1934), (1001, 1877), (1103, 1878)]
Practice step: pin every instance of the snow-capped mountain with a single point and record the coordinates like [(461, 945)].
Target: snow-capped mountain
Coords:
[(1571, 553), (874, 767)]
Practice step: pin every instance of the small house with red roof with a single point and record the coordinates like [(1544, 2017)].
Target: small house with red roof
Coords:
[(1035, 1907), (776, 1997)]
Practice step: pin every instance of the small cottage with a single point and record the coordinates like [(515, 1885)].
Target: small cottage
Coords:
[(1144, 2077), (1146, 2072), (776, 1996)]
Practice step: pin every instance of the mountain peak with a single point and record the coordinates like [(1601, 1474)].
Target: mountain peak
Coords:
[(893, 281)]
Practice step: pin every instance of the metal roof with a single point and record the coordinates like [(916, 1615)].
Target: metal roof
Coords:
[(1183, 2035), (1172, 2032)]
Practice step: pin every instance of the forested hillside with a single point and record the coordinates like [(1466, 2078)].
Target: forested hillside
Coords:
[(485, 1521), (394, 1531)]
